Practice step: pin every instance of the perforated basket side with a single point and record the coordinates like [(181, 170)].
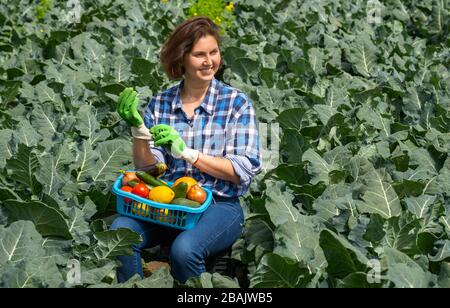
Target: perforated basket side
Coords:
[(175, 216)]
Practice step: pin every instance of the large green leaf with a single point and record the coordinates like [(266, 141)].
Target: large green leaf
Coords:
[(89, 52), (46, 121), (35, 273), (292, 145), (49, 221), (86, 162), (293, 118), (79, 218), (440, 13), (258, 236), (215, 280), (114, 155), (316, 60), (244, 67), (443, 251), (420, 206), (5, 147), (362, 53), (376, 119), (379, 196), (53, 167), (343, 259), (115, 243), (325, 112), (423, 160), (415, 274), (48, 175), (141, 66), (404, 276), (279, 205), (300, 242), (160, 279), (24, 166), (339, 156), (45, 94), (445, 220), (444, 275), (7, 193), (439, 184), (277, 272), (413, 102), (401, 233), (319, 168), (20, 241), (356, 281), (88, 125), (121, 70), (95, 274)]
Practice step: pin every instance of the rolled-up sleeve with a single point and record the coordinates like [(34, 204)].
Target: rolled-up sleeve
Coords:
[(242, 147), (149, 121)]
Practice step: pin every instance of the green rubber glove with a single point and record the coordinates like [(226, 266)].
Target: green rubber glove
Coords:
[(127, 107), (166, 136)]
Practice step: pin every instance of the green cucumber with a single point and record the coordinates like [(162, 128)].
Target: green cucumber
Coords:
[(185, 202), (147, 178), (132, 183)]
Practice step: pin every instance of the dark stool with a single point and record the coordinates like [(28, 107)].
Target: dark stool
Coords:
[(223, 264)]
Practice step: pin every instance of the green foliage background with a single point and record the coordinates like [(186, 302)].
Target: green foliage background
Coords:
[(361, 181)]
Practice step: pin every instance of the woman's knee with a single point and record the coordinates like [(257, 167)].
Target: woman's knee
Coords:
[(182, 251), (124, 222)]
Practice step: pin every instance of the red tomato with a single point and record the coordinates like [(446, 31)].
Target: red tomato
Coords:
[(127, 189), (141, 190)]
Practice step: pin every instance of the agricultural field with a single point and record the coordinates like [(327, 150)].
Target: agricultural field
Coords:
[(353, 103)]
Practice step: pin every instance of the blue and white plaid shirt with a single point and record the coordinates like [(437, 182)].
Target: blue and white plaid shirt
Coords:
[(224, 125)]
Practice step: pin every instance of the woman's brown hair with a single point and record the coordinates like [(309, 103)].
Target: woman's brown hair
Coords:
[(182, 40)]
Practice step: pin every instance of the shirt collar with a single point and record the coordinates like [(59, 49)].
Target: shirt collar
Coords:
[(208, 102)]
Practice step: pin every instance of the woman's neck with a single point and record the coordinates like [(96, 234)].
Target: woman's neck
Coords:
[(193, 92)]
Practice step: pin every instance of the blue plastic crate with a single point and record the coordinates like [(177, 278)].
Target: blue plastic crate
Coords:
[(170, 215)]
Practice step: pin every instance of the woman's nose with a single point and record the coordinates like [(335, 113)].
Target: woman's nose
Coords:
[(207, 61)]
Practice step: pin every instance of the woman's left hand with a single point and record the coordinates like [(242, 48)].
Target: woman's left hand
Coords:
[(168, 137)]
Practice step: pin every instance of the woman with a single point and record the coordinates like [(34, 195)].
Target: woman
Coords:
[(200, 128)]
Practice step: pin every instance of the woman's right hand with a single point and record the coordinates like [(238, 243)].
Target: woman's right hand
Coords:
[(127, 107)]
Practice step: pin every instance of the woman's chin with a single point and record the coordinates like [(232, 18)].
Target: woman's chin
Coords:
[(201, 76), (205, 77)]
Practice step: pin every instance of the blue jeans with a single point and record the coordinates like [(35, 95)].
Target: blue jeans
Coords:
[(217, 229)]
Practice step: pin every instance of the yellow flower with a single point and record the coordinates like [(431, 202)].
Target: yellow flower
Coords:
[(230, 7)]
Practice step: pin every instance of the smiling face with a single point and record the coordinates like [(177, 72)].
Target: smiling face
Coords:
[(203, 61)]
